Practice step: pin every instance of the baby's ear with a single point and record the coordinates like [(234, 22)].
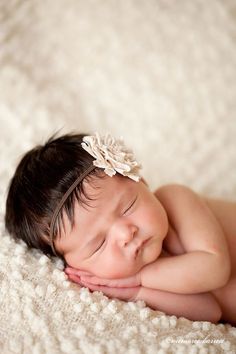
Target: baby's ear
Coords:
[(144, 181)]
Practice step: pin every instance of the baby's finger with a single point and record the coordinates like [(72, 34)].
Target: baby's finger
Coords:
[(75, 279), (126, 294), (95, 280), (70, 270), (104, 289), (114, 283), (83, 272), (106, 282)]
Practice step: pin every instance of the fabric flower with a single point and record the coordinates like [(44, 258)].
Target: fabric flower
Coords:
[(112, 155)]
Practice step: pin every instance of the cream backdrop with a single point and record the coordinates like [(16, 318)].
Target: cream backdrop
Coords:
[(160, 73)]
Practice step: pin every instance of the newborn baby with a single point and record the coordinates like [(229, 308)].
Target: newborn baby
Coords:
[(173, 248), (121, 235)]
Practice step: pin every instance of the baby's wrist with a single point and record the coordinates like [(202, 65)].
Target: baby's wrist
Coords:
[(138, 295), (141, 276)]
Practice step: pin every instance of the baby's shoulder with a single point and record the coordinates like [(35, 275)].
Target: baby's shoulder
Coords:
[(181, 201), (176, 190)]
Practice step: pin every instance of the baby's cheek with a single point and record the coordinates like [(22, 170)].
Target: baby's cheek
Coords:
[(72, 261), (115, 268), (121, 273)]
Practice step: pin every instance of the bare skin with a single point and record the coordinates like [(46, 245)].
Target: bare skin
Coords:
[(174, 249), (226, 215), (225, 212)]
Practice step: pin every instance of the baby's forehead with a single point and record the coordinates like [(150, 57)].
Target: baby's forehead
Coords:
[(104, 183), (109, 189)]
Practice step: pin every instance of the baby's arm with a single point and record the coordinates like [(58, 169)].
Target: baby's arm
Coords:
[(196, 307), (206, 263)]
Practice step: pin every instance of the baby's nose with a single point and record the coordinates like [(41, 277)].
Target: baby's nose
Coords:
[(125, 234)]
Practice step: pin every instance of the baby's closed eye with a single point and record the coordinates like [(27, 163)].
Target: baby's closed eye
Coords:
[(100, 245), (129, 208)]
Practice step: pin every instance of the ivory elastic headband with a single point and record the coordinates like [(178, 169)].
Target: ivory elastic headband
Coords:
[(62, 202)]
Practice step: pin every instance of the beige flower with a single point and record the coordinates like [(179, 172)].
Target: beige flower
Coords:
[(112, 155)]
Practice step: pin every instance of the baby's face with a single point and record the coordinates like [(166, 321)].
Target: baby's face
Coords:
[(120, 232)]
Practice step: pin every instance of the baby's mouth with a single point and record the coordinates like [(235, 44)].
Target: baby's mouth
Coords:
[(141, 246)]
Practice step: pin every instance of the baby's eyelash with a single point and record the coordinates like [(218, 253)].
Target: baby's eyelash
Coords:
[(99, 246), (133, 202)]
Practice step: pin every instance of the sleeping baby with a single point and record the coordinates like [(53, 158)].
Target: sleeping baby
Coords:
[(82, 199)]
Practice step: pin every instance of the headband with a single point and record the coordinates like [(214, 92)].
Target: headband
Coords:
[(62, 202), (111, 155)]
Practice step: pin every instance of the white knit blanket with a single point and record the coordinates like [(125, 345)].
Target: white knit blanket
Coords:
[(162, 74)]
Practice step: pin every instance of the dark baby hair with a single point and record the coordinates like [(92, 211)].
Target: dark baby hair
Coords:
[(41, 179)]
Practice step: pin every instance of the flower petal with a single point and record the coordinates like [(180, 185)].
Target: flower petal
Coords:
[(112, 155)]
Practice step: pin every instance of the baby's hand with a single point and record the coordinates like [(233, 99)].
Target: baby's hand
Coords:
[(86, 277), (127, 293)]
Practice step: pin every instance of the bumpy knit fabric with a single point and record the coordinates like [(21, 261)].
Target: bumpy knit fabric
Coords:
[(162, 74)]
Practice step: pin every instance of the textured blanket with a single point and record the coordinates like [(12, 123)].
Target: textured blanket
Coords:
[(162, 74)]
